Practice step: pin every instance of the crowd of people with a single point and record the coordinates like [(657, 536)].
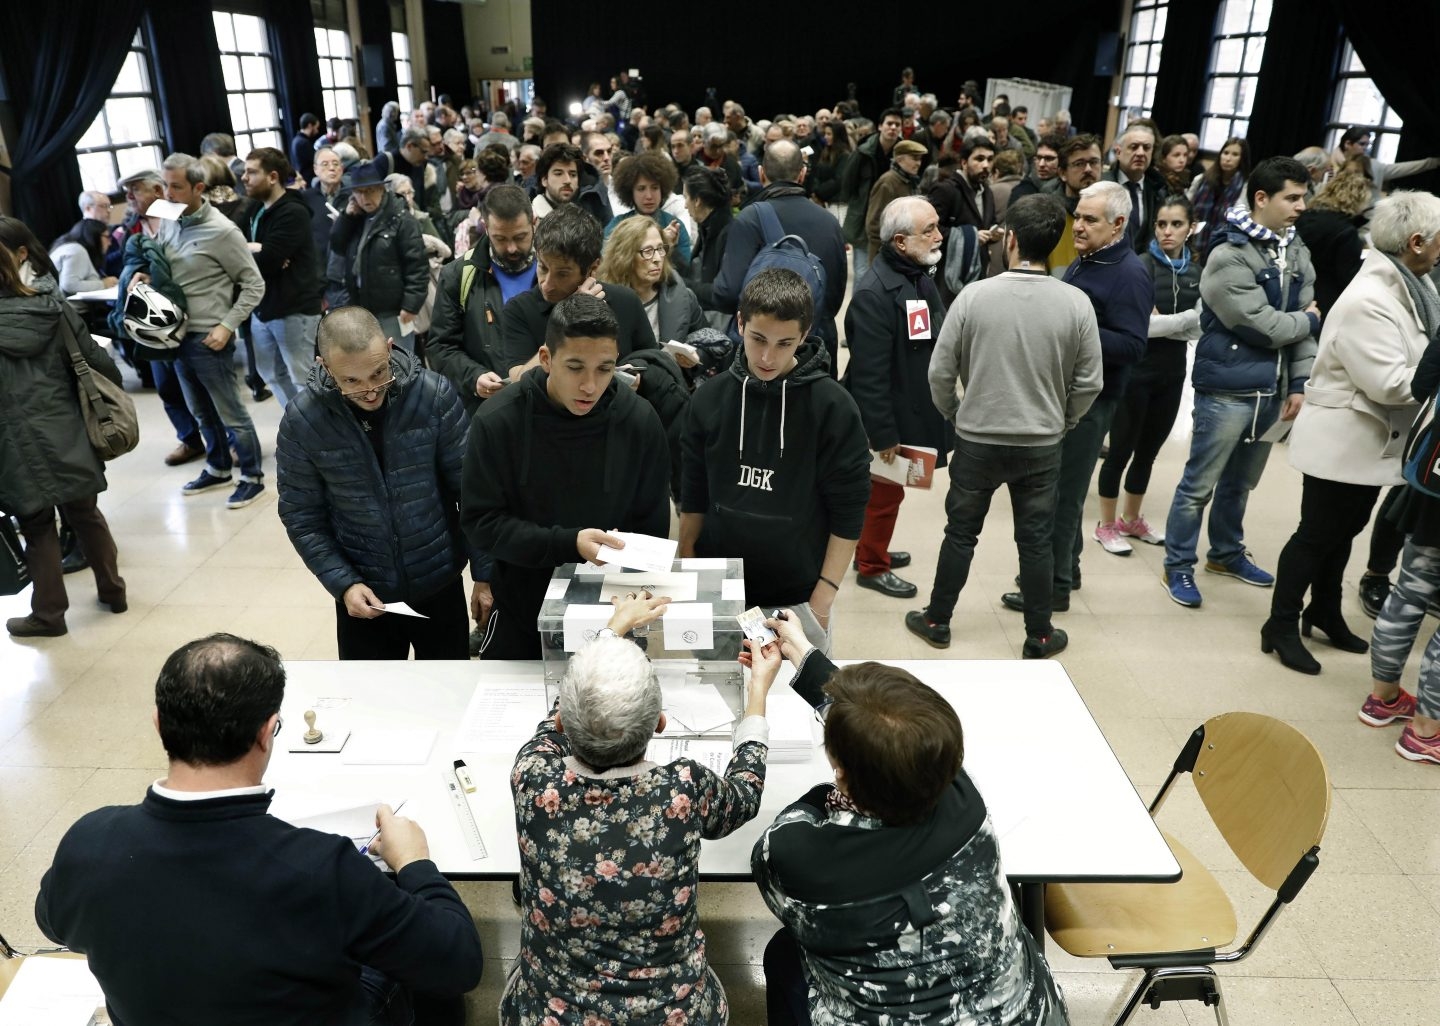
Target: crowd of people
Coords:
[(496, 341)]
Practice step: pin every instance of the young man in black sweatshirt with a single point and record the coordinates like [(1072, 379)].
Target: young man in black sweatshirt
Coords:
[(775, 463), (565, 447)]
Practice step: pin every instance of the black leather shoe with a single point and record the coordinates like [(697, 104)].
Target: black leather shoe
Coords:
[(1074, 580), (1336, 631), (74, 561), (1045, 645), (887, 584), (1374, 590), (936, 635), (119, 605), (30, 627), (1284, 641), (1015, 601), (898, 560)]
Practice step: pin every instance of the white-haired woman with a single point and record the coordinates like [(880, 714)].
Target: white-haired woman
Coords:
[(1349, 437), (610, 845)]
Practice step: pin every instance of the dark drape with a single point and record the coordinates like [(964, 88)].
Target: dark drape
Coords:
[(59, 67), (1397, 41), (445, 53), (190, 89), (1284, 119), (1184, 62), (291, 29), (375, 31)]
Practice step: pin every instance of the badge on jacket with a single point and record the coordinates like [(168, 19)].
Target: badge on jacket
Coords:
[(917, 319)]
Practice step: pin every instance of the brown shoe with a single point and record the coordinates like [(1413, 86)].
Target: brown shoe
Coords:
[(184, 454), (30, 627)]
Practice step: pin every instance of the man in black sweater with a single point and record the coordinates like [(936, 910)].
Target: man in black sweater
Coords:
[(565, 446), (197, 906)]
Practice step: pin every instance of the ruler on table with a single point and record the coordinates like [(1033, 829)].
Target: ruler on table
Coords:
[(468, 827)]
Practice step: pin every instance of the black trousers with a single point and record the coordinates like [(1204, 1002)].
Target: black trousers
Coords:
[(1386, 538), (1332, 513), (787, 994), (1142, 423), (443, 634)]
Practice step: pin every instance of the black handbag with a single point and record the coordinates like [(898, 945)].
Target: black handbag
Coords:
[(14, 572)]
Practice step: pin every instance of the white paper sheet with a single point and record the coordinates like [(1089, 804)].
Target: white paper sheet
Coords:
[(382, 747), (1277, 431), (403, 609), (406, 327), (641, 552), (556, 589), (676, 586), (331, 814), (50, 991), (582, 622), (697, 708), (707, 563), (792, 725), (714, 755), (496, 716), (109, 295), (732, 591), (165, 210), (689, 625)]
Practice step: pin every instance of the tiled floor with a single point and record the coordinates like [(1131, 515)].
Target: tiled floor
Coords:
[(1359, 946)]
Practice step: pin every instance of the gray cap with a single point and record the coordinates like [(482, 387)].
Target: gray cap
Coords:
[(136, 177)]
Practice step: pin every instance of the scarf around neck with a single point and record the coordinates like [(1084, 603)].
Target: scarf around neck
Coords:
[(1423, 295), (1177, 266), (1240, 218)]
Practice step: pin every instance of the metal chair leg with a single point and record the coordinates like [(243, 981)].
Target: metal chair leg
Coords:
[(1128, 1012)]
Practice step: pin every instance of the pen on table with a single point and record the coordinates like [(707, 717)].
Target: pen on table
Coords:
[(366, 846), (462, 774)]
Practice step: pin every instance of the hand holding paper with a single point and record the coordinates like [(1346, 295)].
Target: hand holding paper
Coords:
[(639, 552)]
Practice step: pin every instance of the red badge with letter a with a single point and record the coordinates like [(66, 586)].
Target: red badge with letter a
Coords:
[(917, 319)]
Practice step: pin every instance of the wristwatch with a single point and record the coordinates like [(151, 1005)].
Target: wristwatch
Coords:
[(606, 632)]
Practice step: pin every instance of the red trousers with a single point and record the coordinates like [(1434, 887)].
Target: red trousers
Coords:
[(873, 551)]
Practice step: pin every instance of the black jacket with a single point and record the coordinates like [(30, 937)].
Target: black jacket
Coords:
[(889, 373), (1153, 189), (536, 475), (385, 270), (214, 911), (331, 264), (798, 216), (352, 521), (707, 255), (286, 259), (522, 328), (775, 468), (955, 201), (1335, 247), (465, 333)]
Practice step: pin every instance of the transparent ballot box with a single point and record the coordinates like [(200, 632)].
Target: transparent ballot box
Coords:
[(693, 646)]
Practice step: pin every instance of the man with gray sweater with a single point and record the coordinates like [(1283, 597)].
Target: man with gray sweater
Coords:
[(211, 264), (1024, 349)]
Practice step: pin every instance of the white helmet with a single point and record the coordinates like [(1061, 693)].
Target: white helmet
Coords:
[(153, 319)]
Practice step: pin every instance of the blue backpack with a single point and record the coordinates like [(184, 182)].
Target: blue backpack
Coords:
[(1422, 451), (786, 251)]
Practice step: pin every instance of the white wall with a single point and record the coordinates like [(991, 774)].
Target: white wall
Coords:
[(498, 23)]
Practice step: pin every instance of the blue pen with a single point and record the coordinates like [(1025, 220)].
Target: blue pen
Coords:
[(366, 846)]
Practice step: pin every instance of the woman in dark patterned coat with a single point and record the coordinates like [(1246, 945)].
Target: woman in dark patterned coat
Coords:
[(610, 846), (888, 881)]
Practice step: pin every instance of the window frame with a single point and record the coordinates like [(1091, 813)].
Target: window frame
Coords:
[(404, 74), (246, 138), (1252, 40), (328, 59), (1152, 44), (139, 46), (1386, 134)]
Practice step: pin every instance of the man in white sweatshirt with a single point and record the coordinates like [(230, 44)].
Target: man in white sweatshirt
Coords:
[(1024, 350)]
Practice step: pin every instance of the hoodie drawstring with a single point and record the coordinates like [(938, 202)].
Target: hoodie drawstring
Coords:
[(784, 386), (744, 387)]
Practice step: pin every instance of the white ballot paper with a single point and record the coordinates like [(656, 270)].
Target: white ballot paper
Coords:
[(165, 210), (375, 746), (689, 625), (51, 991), (677, 587), (582, 622), (1276, 432), (403, 609), (713, 755), (698, 708), (641, 552), (497, 716), (732, 591), (407, 327), (556, 588)]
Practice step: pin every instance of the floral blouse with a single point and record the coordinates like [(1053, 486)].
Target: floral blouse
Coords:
[(608, 876)]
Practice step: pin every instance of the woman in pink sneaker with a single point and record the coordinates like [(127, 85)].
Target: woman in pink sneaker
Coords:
[(1152, 398)]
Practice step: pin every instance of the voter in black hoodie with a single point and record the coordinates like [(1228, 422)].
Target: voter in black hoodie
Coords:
[(568, 447), (776, 467)]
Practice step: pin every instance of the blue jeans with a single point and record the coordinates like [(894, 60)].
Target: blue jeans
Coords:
[(285, 348), (172, 396), (207, 378), (1226, 461), (859, 261)]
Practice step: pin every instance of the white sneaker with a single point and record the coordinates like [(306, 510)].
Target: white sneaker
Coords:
[(1108, 535), (1140, 530)]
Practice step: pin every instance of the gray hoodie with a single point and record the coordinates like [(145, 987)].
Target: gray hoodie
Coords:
[(208, 259)]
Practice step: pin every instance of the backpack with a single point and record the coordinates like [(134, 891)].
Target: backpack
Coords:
[(784, 251), (1422, 451)]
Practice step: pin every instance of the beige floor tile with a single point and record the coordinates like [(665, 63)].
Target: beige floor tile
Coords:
[(18, 887), (1389, 1002), (1430, 887), (30, 797), (483, 1003), (101, 735), (1358, 756), (1094, 998), (14, 716), (1361, 927), (1276, 1002), (1405, 823), (104, 787), (495, 916)]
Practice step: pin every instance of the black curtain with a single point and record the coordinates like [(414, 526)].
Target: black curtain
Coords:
[(375, 32), (291, 29), (60, 65), (1284, 119), (445, 53), (190, 88), (1397, 41), (1184, 62)]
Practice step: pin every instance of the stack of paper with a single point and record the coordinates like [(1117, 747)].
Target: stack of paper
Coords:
[(55, 991), (714, 755), (698, 709), (792, 724)]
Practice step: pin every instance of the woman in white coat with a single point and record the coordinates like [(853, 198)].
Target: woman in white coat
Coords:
[(1350, 435)]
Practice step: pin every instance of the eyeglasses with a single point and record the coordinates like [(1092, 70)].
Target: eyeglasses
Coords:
[(1043, 158), (1091, 162), (653, 252), (279, 722), (360, 393)]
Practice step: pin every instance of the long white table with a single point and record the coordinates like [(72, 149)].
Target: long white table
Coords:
[(1061, 804)]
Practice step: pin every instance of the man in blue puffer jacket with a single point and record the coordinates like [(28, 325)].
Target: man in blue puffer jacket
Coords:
[(1259, 325), (369, 460)]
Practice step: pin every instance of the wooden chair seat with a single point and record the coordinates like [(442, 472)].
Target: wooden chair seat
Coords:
[(1100, 920)]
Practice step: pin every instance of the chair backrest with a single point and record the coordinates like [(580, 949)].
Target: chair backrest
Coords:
[(1267, 791)]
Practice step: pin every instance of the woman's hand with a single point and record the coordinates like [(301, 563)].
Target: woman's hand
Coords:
[(794, 645), (634, 610), (764, 664)]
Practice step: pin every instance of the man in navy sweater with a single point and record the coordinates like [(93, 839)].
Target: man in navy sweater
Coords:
[(197, 906)]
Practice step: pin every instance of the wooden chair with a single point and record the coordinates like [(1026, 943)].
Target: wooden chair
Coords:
[(1268, 794)]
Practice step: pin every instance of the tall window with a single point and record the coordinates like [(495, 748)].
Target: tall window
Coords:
[(125, 135), (249, 81), (404, 74), (1358, 104), (1142, 57), (337, 72), (1234, 70)]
